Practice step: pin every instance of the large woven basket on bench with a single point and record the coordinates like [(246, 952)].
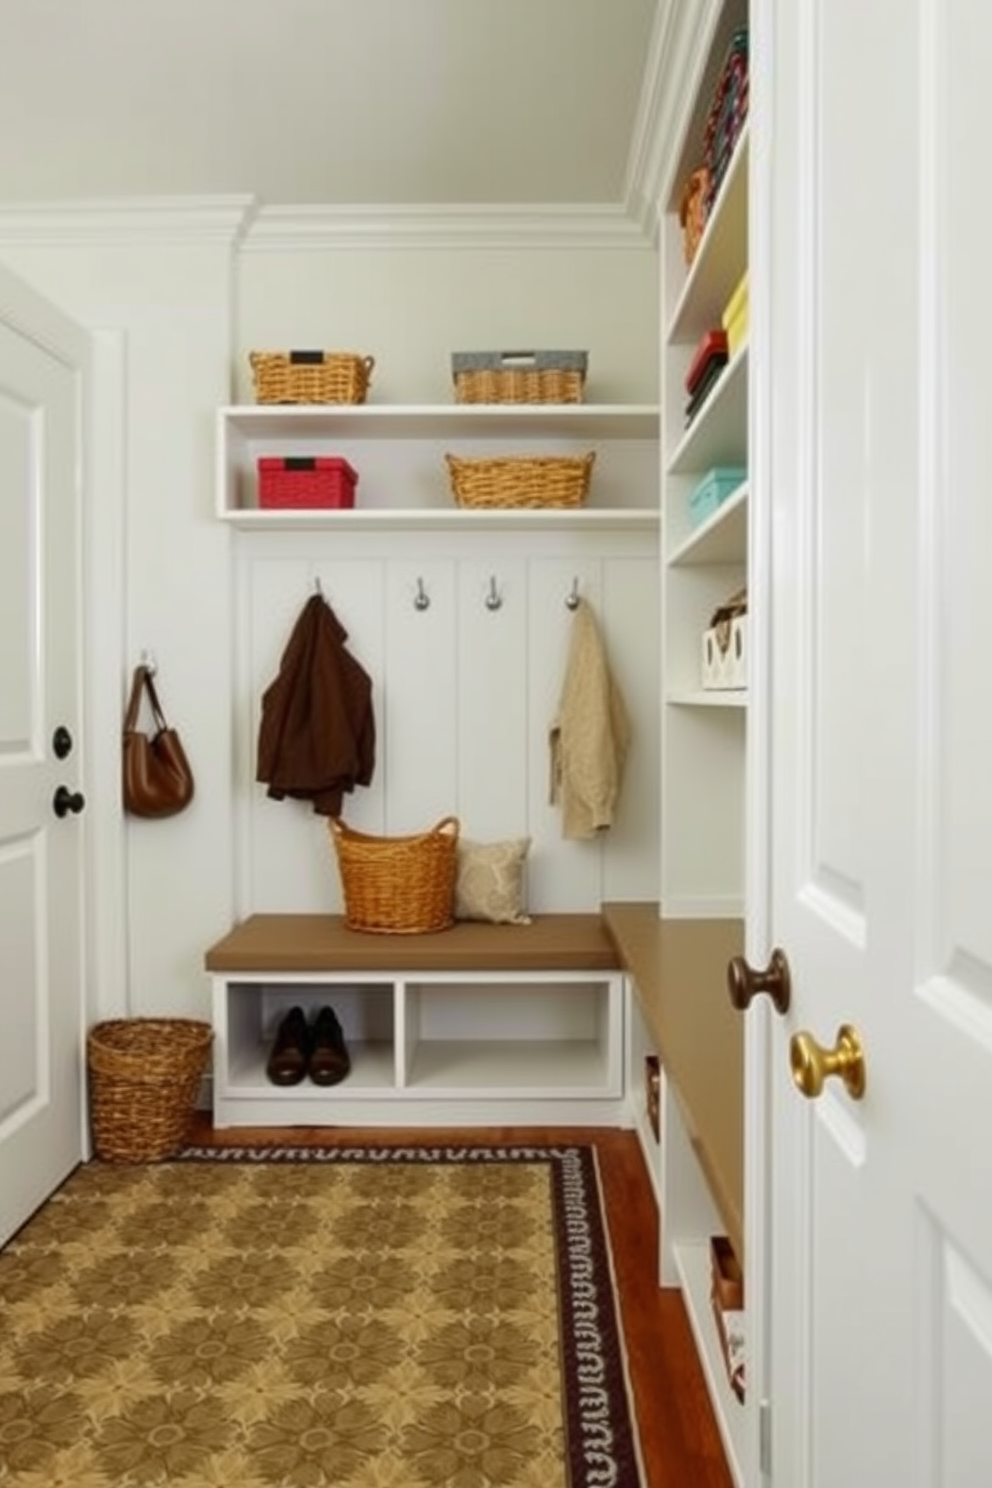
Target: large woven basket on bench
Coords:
[(310, 376), (398, 885), (144, 1074)]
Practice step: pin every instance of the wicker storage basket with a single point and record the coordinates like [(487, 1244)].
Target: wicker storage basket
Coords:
[(511, 481), (519, 376), (143, 1078), (310, 376), (398, 885)]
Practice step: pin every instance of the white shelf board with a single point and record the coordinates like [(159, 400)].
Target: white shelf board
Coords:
[(720, 258), (250, 519), (722, 538), (576, 1067), (718, 433), (433, 421), (692, 1263), (730, 698)]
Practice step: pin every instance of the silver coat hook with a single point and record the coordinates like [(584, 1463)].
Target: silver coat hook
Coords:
[(421, 600), (572, 599), (149, 663), (494, 599)]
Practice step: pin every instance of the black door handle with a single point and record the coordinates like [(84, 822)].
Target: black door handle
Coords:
[(65, 800)]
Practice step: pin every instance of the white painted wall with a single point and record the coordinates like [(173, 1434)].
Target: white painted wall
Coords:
[(172, 309), (464, 697), (411, 308), (188, 313)]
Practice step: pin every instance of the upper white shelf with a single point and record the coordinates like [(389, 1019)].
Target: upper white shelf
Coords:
[(721, 257), (718, 433), (436, 519), (398, 452), (722, 538), (258, 421)]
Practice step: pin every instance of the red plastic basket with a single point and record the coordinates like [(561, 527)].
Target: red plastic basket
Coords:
[(302, 481)]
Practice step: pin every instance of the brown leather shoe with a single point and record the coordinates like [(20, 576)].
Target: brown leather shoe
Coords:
[(329, 1057), (287, 1063)]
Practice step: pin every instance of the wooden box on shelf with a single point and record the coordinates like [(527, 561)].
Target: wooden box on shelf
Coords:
[(727, 1277), (727, 1295), (652, 1093)]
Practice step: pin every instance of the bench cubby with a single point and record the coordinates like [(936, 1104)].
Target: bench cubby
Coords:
[(479, 1024)]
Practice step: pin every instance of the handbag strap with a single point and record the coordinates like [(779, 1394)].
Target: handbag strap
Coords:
[(143, 680)]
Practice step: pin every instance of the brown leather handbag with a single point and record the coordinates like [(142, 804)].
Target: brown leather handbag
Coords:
[(157, 779)]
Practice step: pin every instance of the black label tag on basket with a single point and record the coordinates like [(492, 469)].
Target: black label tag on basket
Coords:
[(306, 358), (300, 462)]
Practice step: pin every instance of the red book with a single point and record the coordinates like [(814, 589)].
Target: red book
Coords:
[(713, 344)]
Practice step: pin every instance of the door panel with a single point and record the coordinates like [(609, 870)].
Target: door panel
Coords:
[(42, 367), (880, 455)]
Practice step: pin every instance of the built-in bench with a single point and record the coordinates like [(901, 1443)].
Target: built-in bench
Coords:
[(479, 1024)]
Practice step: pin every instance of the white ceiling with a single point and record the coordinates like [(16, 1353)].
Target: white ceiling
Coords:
[(323, 102)]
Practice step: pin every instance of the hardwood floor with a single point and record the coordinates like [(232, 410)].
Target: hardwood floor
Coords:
[(679, 1438)]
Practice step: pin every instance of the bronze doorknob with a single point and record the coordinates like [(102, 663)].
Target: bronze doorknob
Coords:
[(812, 1065), (744, 983)]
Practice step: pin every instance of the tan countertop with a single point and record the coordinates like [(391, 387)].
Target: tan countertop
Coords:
[(323, 942), (679, 972)]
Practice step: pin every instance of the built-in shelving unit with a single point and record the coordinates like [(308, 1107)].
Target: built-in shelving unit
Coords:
[(677, 963), (398, 452), (703, 731)]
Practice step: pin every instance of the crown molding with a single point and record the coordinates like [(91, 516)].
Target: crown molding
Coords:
[(680, 42), (242, 223), (127, 221), (488, 226)]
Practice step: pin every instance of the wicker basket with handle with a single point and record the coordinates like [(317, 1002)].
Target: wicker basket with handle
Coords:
[(519, 376), (398, 885), (144, 1074), (518, 481), (310, 376)]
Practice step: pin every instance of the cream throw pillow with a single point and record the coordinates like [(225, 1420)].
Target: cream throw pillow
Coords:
[(490, 881)]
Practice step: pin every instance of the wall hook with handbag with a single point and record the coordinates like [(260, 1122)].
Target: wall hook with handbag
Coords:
[(156, 775)]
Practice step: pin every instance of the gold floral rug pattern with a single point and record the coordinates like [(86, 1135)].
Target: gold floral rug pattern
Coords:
[(319, 1318)]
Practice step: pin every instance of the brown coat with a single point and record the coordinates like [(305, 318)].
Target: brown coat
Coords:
[(316, 738)]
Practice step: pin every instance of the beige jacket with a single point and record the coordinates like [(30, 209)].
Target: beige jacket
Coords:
[(590, 737)]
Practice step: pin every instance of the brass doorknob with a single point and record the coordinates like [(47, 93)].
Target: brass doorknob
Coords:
[(744, 983), (812, 1065)]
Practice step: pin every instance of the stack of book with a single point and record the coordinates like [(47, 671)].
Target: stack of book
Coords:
[(735, 315), (727, 114), (708, 361)]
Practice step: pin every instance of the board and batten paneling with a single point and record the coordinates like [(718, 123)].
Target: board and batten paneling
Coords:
[(464, 693)]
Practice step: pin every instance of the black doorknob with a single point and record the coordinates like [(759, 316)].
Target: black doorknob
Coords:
[(65, 800), (62, 742)]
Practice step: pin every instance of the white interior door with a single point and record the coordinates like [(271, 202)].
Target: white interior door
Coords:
[(874, 394), (42, 377)]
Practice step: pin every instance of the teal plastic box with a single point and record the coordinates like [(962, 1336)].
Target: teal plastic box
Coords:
[(713, 490)]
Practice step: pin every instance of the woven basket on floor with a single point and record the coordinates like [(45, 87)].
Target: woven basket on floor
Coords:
[(398, 885), (511, 481), (144, 1074), (310, 376)]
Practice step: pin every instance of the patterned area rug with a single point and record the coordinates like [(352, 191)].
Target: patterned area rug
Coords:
[(273, 1318)]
